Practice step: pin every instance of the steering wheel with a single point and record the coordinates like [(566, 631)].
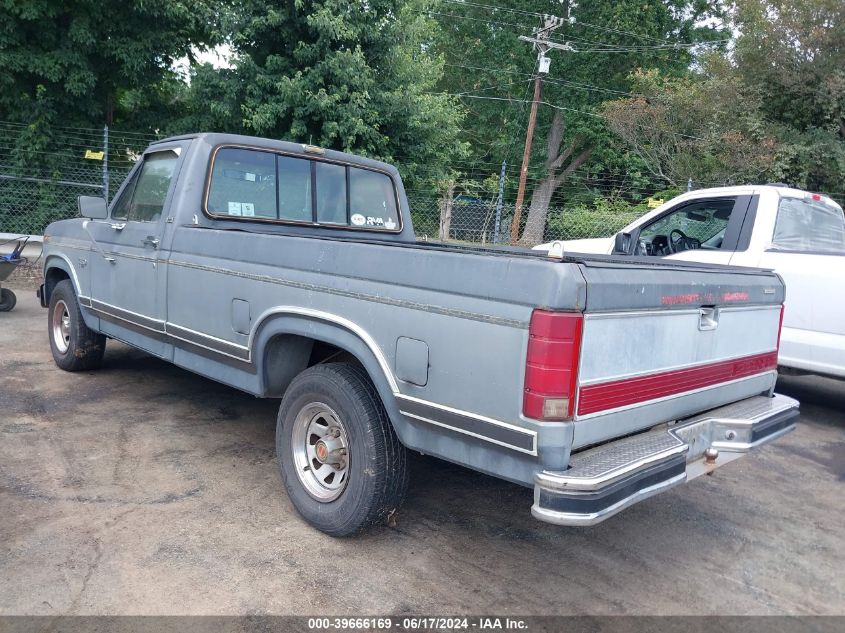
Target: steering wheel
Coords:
[(683, 242)]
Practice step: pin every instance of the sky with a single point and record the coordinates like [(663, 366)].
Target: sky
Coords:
[(219, 57)]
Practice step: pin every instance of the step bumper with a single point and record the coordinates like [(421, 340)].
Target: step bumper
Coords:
[(605, 480)]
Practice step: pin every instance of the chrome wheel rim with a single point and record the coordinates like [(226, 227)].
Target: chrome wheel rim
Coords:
[(60, 326), (320, 451)]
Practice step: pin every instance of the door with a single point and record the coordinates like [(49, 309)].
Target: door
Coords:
[(805, 244), (698, 230), (127, 276)]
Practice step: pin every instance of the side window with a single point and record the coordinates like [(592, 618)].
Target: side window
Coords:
[(691, 226), (802, 225), (143, 198), (120, 210), (294, 189), (372, 200), (243, 184), (331, 193)]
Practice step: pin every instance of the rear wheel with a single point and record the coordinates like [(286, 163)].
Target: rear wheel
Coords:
[(7, 299), (75, 346), (340, 460)]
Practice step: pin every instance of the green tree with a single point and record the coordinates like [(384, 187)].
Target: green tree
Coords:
[(707, 127), (356, 77), (772, 109), (76, 62), (792, 52)]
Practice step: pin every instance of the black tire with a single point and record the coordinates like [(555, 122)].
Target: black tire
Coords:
[(376, 472), (76, 347), (7, 299)]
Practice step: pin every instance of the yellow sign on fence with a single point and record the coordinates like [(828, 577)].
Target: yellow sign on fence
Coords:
[(94, 155), (653, 203)]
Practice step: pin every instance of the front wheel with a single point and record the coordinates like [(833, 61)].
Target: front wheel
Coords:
[(75, 346), (340, 460), (7, 300)]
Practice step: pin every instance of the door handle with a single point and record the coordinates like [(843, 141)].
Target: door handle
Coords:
[(708, 319), (151, 241), (118, 226)]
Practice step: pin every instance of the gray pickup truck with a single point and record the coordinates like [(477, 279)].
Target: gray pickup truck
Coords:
[(292, 272)]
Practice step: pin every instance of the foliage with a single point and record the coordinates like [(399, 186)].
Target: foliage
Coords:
[(773, 109), (350, 76), (485, 57), (80, 61), (707, 128), (580, 221), (793, 53), (570, 135)]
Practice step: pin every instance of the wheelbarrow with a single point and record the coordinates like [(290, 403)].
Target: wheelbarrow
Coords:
[(8, 263)]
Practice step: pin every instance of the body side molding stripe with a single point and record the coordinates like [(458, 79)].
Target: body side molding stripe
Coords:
[(488, 429), (209, 342), (141, 320)]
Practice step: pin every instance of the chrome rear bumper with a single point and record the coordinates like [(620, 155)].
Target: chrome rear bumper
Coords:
[(607, 479)]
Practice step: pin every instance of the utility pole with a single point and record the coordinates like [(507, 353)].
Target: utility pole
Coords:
[(498, 226), (541, 42)]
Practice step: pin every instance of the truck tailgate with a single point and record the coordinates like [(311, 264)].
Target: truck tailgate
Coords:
[(661, 342)]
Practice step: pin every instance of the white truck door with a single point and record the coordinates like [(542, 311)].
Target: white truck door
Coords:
[(805, 244)]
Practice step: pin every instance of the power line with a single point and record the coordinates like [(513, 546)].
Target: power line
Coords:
[(467, 93), (574, 22), (556, 107), (551, 105), (493, 6), (643, 49), (563, 82)]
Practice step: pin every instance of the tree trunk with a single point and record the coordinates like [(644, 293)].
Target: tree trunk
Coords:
[(535, 225)]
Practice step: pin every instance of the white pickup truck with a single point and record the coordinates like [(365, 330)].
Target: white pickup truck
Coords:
[(799, 235)]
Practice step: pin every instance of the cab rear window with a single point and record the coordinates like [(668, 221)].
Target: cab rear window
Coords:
[(809, 226), (250, 184)]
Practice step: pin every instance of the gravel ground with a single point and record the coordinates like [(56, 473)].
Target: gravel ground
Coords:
[(144, 489)]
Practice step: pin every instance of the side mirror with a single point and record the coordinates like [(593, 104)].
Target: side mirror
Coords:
[(93, 207), (622, 244)]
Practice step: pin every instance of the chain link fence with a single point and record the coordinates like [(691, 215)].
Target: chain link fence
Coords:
[(40, 183), (28, 203), (39, 186), (480, 221)]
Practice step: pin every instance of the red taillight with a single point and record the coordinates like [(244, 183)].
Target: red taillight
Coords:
[(551, 365), (780, 325)]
